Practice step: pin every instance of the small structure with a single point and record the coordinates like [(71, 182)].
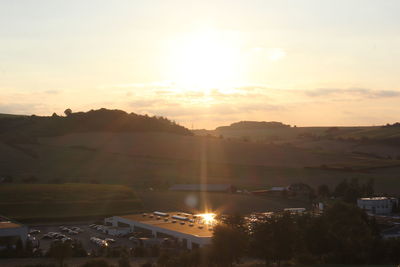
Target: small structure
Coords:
[(377, 205), (191, 230), (275, 190), (228, 188), (11, 232), (295, 210)]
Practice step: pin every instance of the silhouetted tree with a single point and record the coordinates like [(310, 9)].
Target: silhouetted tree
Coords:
[(68, 112), (228, 245), (96, 263), (274, 238), (323, 191), (341, 188), (124, 262), (235, 221), (60, 251)]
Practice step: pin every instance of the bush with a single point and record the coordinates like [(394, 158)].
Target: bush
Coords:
[(96, 263)]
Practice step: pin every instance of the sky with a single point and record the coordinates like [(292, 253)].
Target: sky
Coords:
[(204, 63)]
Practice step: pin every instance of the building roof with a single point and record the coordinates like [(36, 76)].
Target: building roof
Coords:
[(7, 223), (278, 188), (374, 198), (201, 187), (197, 229)]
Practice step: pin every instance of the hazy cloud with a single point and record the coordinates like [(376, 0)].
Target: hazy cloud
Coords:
[(20, 108), (357, 92), (52, 92)]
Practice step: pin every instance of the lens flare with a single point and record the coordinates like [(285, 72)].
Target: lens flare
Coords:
[(208, 218)]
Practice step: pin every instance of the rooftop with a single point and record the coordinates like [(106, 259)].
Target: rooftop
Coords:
[(183, 222), (7, 223), (374, 198)]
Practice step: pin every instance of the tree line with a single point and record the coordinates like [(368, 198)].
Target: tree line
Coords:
[(343, 234), (24, 129)]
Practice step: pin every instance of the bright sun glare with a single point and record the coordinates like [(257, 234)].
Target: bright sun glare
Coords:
[(208, 218), (206, 59)]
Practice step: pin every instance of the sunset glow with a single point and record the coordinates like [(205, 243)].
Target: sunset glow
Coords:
[(205, 59), (212, 62)]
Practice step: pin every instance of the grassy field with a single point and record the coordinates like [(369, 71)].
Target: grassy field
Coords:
[(285, 133), (39, 202), (3, 115), (143, 160)]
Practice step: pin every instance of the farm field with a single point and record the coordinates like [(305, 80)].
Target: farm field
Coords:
[(292, 133), (43, 202), (122, 159)]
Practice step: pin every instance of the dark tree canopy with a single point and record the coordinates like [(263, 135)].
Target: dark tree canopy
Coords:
[(68, 112), (103, 120)]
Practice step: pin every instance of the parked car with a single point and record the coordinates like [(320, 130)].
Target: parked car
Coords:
[(110, 240), (47, 236), (99, 242), (59, 236), (34, 232)]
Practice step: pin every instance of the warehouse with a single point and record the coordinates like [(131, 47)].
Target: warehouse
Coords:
[(377, 205), (193, 231), (11, 232)]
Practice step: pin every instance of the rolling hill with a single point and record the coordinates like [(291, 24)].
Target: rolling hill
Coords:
[(145, 158)]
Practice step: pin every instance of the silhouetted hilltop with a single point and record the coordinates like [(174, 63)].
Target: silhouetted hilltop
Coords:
[(102, 120), (247, 125)]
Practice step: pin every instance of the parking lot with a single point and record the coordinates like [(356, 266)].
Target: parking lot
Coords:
[(84, 236)]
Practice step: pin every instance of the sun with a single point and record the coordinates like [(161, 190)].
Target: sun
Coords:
[(206, 59)]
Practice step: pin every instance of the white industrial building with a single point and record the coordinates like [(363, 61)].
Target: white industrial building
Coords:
[(377, 205), (11, 232), (192, 230)]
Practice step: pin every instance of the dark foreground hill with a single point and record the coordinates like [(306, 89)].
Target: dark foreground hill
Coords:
[(24, 129)]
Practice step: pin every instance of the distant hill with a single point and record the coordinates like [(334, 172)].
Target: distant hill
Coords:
[(376, 141), (3, 115), (263, 131), (24, 128), (243, 125)]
